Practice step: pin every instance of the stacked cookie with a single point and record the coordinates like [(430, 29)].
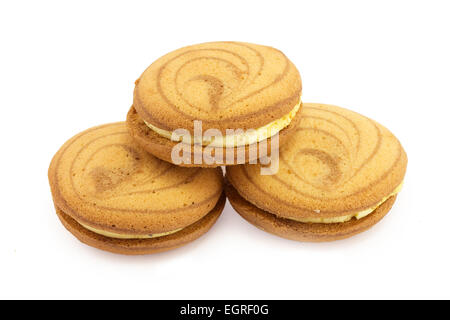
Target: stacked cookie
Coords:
[(224, 88), (308, 172), (113, 195), (338, 175)]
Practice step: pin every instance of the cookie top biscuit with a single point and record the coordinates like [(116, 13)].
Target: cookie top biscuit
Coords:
[(336, 164), (226, 85), (105, 181)]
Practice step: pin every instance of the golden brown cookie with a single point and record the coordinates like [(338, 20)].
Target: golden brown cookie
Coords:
[(113, 195), (225, 85), (339, 174)]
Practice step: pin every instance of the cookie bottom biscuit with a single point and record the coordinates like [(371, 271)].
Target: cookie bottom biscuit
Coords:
[(143, 246), (311, 232)]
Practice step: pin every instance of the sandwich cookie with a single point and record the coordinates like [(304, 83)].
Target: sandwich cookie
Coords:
[(114, 196), (215, 92), (339, 174)]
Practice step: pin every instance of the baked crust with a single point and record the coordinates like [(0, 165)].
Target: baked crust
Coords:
[(337, 163), (227, 85), (103, 179)]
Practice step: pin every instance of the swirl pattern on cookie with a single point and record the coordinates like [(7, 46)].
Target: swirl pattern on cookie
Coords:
[(337, 164), (105, 181), (227, 85)]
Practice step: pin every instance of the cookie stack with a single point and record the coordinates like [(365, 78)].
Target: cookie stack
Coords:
[(303, 171)]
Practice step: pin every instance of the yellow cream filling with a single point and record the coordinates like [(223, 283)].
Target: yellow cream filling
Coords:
[(238, 139), (127, 236), (358, 215)]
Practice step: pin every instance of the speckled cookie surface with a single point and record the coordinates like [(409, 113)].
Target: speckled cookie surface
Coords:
[(227, 85), (337, 163), (162, 147), (311, 232), (102, 179)]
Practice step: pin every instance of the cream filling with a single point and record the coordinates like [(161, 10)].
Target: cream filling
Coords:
[(358, 215), (237, 139), (110, 234)]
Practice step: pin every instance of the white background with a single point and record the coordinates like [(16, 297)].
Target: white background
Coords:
[(65, 68)]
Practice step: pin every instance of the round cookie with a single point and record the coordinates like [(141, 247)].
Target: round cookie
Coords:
[(113, 195), (226, 86), (339, 174)]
